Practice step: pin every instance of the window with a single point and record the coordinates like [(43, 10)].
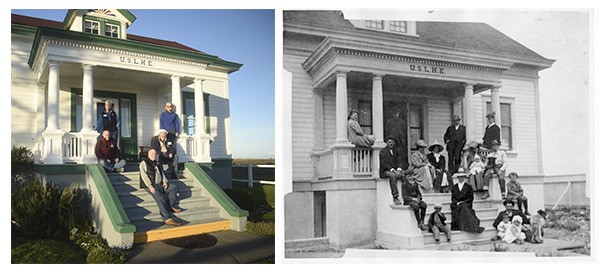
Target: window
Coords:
[(364, 117), (111, 30), (398, 26), (375, 24), (125, 119), (506, 124), (415, 120), (92, 27)]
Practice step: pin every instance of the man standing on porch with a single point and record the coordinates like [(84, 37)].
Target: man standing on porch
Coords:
[(389, 167), (455, 139), (492, 131), (169, 120), (108, 120)]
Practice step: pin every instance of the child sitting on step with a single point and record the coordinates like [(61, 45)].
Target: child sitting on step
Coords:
[(437, 224), (514, 192), (515, 232), (504, 226), (476, 173)]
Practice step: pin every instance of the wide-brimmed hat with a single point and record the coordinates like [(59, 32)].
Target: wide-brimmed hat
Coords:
[(495, 142), (455, 118), (434, 144), (513, 173), (437, 205), (460, 173), (492, 114), (421, 143)]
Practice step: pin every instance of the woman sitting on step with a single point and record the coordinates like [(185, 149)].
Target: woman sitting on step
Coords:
[(463, 215)]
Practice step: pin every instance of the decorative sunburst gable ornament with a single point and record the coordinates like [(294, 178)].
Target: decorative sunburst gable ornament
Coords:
[(103, 11)]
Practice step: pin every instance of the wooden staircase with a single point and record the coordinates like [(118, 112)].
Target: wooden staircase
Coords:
[(198, 215)]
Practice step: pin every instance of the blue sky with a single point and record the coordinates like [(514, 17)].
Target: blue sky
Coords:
[(242, 36)]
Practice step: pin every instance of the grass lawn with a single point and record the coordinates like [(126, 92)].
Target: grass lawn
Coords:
[(260, 202)]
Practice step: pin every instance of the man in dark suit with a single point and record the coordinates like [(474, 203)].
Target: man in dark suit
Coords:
[(389, 167), (492, 131), (511, 212), (455, 139)]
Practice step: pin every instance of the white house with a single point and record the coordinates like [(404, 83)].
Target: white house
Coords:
[(429, 71), (62, 72)]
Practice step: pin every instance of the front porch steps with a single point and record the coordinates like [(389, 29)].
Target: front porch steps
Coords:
[(197, 217)]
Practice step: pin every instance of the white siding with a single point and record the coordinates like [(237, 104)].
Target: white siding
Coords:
[(303, 117), (219, 116), (439, 114), (23, 94)]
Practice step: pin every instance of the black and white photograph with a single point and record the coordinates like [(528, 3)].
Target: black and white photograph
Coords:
[(419, 133)]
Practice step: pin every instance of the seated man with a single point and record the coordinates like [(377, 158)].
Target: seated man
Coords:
[(496, 164), (514, 192), (108, 153), (389, 167), (153, 179), (166, 148), (510, 212), (411, 195)]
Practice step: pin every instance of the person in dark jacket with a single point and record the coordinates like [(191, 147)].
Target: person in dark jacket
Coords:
[(108, 153), (412, 197), (169, 120), (455, 139), (442, 179), (108, 120), (389, 167), (492, 131), (463, 215), (166, 148), (437, 224), (153, 179)]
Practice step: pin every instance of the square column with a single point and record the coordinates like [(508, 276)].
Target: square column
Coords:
[(53, 135), (88, 134)]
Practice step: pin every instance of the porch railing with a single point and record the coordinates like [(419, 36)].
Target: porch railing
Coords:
[(38, 149), (361, 161), (72, 147)]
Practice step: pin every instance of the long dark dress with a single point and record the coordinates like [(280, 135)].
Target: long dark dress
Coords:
[(440, 167), (463, 215)]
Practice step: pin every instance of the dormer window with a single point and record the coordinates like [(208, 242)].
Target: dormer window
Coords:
[(375, 24), (402, 27), (101, 26), (111, 30), (398, 26), (91, 27)]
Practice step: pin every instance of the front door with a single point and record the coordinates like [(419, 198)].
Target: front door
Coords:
[(404, 121), (124, 106)]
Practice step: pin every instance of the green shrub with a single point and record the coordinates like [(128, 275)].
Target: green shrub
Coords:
[(21, 165), (261, 228), (46, 252), (106, 256), (46, 211)]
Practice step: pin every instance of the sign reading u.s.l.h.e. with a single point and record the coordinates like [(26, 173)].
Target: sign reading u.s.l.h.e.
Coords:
[(136, 61), (427, 69)]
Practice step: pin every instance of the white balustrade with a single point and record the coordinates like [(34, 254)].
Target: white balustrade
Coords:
[(361, 161), (72, 147)]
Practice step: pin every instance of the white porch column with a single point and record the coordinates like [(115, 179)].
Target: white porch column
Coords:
[(496, 105), (87, 133), (88, 98), (342, 147), (341, 108), (176, 99), (53, 153), (469, 114), (200, 150), (41, 109), (377, 112)]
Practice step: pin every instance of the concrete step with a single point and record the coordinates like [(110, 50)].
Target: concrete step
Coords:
[(190, 215), (460, 236), (151, 206), (481, 214), (134, 189), (305, 245), (130, 176), (140, 195)]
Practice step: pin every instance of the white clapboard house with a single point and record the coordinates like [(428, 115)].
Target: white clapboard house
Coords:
[(428, 71), (61, 74)]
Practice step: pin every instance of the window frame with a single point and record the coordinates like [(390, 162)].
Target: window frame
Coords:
[(368, 24), (85, 20), (510, 101), (398, 23), (102, 22)]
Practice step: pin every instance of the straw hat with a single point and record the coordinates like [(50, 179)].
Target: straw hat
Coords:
[(456, 118), (460, 173), (437, 205), (421, 143), (492, 114), (436, 143)]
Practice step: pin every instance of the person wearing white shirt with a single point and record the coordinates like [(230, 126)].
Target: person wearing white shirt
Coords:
[(496, 164)]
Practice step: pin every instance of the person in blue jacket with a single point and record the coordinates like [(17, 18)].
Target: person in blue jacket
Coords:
[(108, 120), (169, 121)]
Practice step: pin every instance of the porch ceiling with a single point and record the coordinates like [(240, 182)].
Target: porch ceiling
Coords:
[(117, 75)]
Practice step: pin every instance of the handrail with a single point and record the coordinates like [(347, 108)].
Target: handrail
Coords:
[(110, 200), (220, 196)]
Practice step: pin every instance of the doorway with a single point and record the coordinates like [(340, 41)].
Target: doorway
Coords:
[(404, 121)]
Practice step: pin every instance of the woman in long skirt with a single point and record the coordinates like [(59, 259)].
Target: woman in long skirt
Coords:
[(463, 215)]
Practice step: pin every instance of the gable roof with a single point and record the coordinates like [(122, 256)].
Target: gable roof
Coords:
[(479, 37), (40, 22)]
